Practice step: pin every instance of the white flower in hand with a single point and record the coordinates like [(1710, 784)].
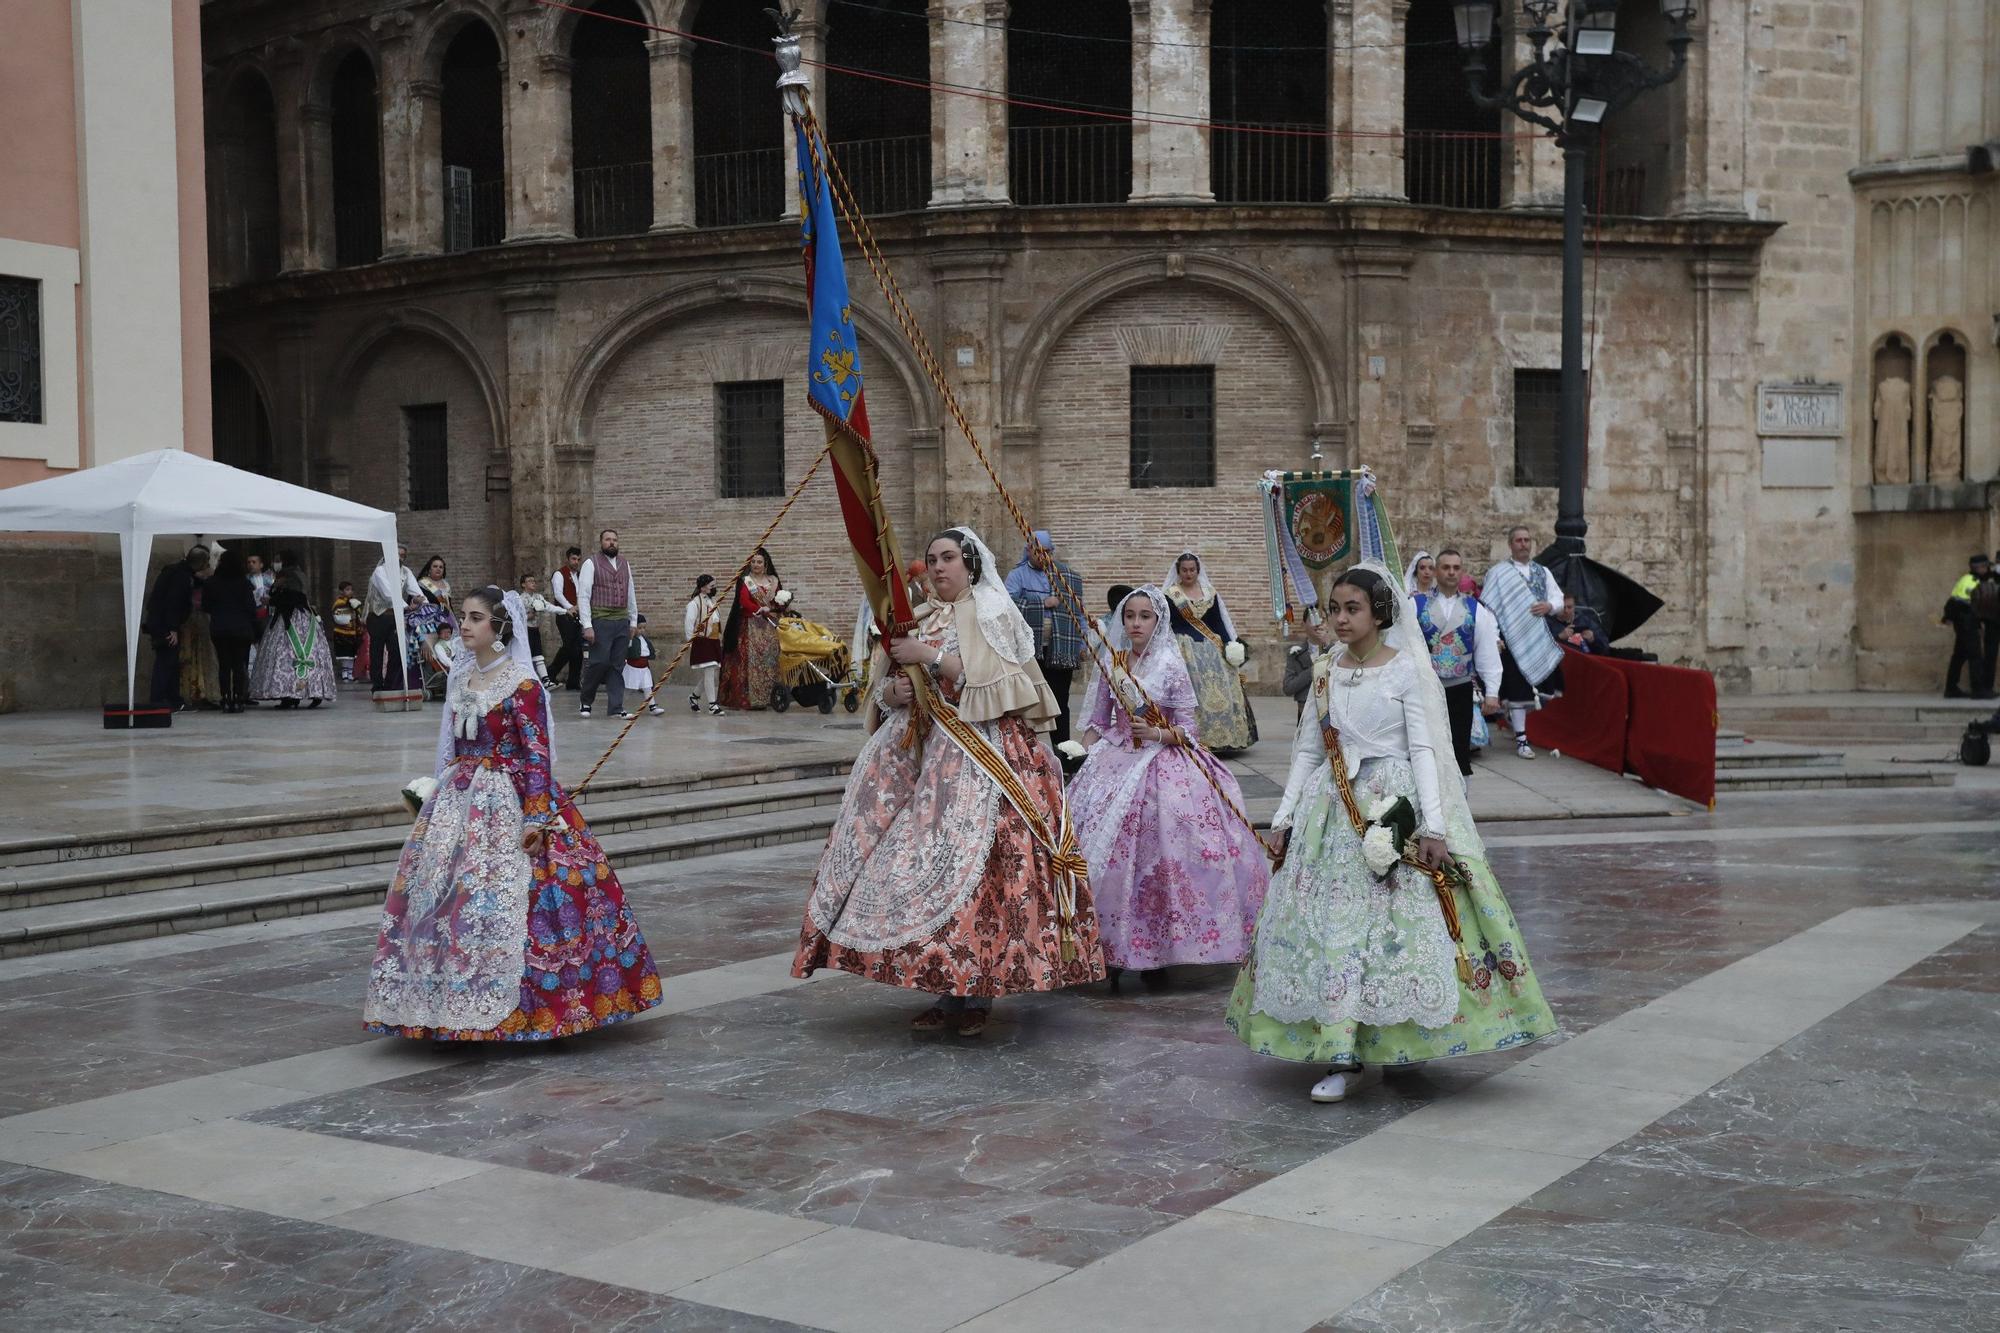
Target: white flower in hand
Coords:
[(1071, 750), (1234, 655), (1378, 849), (784, 597), (417, 791)]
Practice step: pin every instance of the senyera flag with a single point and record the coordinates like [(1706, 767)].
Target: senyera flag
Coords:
[(835, 387)]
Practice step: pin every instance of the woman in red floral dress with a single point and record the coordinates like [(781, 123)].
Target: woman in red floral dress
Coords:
[(505, 921), (933, 878)]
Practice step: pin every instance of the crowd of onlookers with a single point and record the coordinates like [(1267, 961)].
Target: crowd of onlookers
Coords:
[(230, 632)]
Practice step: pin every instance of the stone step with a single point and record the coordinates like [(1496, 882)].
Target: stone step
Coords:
[(609, 815), (1762, 754), (1831, 777), (57, 849), (77, 924), (1860, 733)]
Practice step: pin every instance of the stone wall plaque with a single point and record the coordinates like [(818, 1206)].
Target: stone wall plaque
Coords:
[(1800, 410)]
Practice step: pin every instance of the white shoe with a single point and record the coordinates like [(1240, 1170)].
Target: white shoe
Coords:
[(715, 710), (1340, 1084), (1524, 751), (659, 711)]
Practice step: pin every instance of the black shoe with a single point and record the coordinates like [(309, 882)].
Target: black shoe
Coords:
[(1953, 692), (1112, 975), (315, 703), (1154, 979)]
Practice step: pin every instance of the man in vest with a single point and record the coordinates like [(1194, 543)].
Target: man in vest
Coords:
[(608, 607), (1465, 649), (563, 592)]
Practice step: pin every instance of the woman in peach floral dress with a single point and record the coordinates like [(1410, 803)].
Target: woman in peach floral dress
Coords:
[(933, 878)]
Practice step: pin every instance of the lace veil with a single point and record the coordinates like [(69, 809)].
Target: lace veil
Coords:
[(461, 668)]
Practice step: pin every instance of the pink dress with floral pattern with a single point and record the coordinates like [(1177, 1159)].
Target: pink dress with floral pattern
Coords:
[(1177, 877)]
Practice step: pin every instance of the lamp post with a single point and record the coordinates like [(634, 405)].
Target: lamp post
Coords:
[(1576, 78)]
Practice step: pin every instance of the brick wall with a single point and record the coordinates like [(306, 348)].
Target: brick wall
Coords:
[(651, 419)]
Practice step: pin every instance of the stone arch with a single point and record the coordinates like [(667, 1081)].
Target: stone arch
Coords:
[(682, 13), (424, 323), (692, 298), (559, 25), (1256, 287), (444, 25), (333, 47)]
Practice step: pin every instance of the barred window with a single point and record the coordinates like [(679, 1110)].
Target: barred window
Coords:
[(20, 350), (430, 457), (1538, 427), (1173, 426), (750, 439)]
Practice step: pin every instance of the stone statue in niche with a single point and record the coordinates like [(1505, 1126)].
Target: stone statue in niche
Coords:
[(1892, 432), (1947, 429)]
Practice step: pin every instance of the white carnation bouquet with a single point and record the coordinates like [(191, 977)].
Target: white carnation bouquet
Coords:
[(1235, 654), (784, 597), (416, 791)]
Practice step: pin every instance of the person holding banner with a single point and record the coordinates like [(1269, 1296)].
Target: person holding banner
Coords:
[(952, 868), (1384, 939), (1528, 602), (1177, 878), (1207, 638)]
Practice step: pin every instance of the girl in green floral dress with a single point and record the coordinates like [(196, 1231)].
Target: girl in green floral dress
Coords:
[(1354, 965)]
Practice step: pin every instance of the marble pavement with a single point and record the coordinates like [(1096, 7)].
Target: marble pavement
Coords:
[(1776, 1106)]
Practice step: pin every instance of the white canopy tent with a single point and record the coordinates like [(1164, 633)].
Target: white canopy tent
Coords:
[(169, 491)]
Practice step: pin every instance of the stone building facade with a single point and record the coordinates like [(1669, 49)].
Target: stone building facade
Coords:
[(568, 232)]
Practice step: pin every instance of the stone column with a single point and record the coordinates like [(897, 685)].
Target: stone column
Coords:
[(426, 133), (540, 193), (1378, 312), (968, 285), (670, 61), (968, 135), (1366, 96), (316, 143), (812, 48), (1534, 158), (1710, 100), (292, 411), (534, 385), (401, 108), (1170, 161), (295, 186), (1727, 450)]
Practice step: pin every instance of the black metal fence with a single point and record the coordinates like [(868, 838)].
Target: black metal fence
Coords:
[(357, 232), (615, 200), (1453, 170), (1248, 167), (888, 175), (731, 189), (1070, 164)]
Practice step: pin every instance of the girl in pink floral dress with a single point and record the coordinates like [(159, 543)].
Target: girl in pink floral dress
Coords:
[(933, 878), (505, 921), (1177, 877)]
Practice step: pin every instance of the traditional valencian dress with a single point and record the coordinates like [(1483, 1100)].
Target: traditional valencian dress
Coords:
[(933, 879), (750, 644), (294, 661), (1351, 969), (480, 940), (1203, 629), (1177, 877)]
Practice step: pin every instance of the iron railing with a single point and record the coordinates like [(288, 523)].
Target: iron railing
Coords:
[(888, 175), (731, 189), (613, 201), (475, 215), (1246, 167), (1452, 170), (1069, 164)]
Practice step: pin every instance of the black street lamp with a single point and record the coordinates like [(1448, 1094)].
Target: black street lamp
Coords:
[(1577, 77)]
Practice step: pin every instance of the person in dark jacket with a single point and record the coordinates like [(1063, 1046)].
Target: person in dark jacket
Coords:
[(232, 623), (167, 609)]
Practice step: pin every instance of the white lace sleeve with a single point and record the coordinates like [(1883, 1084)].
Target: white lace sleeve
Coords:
[(1423, 759), (1308, 754)]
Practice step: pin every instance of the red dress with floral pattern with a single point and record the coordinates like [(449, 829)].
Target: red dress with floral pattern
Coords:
[(482, 941)]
